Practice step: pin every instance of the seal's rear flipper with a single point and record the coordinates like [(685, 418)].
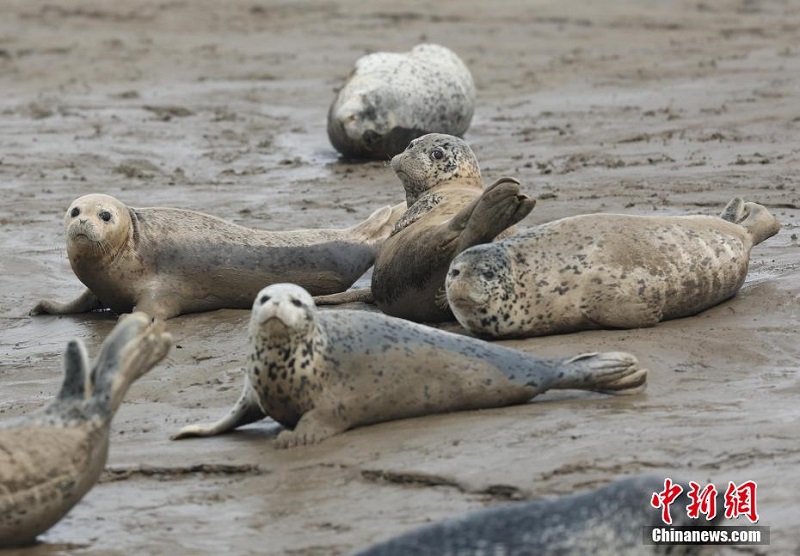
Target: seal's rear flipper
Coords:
[(76, 384), (754, 218), (362, 295), (609, 372), (244, 412), (380, 223), (133, 348)]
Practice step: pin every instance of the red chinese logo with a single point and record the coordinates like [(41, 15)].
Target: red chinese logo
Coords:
[(739, 500), (702, 501), (665, 498)]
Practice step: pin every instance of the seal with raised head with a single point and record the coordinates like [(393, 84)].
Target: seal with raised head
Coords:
[(606, 521), (51, 458), (391, 98), (605, 271), (448, 211), (320, 373), (168, 261)]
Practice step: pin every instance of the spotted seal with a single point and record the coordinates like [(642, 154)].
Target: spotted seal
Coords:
[(168, 261), (52, 457), (321, 373), (605, 270), (391, 98), (448, 211), (606, 521)]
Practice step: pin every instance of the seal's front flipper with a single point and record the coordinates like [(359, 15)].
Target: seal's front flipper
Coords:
[(85, 303), (312, 428), (363, 295), (499, 207), (244, 412), (620, 311), (610, 372)]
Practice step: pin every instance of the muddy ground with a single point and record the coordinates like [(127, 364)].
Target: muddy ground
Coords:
[(637, 107)]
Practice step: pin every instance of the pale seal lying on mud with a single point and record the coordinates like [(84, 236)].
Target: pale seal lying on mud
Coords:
[(605, 270), (391, 98), (448, 211), (167, 261), (606, 521), (51, 458), (321, 373)]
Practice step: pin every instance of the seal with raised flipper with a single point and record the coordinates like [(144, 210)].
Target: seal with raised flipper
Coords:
[(606, 521), (605, 271), (391, 98), (448, 211), (51, 458), (169, 261), (320, 373)]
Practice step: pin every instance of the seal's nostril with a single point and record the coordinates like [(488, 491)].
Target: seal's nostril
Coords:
[(455, 272), (264, 299)]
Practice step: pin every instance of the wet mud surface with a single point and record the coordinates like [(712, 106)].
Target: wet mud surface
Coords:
[(634, 107)]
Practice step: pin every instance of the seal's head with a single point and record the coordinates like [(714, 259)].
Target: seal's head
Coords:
[(98, 226), (282, 313), (480, 286), (433, 159)]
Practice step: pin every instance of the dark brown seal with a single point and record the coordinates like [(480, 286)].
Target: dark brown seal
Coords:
[(448, 211)]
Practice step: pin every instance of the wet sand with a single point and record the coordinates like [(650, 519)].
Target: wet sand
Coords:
[(634, 107)]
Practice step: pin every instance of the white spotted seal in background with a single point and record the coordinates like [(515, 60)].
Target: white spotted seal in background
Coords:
[(167, 261), (605, 270), (608, 521), (321, 373), (391, 98), (51, 458), (448, 211)]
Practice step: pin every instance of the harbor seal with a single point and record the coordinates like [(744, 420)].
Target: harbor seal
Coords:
[(448, 211), (606, 521), (321, 373), (168, 261), (605, 271), (391, 98), (51, 458)]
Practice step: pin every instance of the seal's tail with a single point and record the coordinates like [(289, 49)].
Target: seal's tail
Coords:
[(613, 372), (379, 225), (755, 218)]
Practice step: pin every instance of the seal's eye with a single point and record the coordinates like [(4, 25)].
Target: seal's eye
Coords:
[(297, 303), (438, 154), (488, 274), (75, 212), (264, 299), (105, 216)]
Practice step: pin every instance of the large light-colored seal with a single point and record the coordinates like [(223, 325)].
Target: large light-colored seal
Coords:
[(51, 458), (320, 373), (605, 270), (608, 521), (390, 99), (448, 211), (167, 261)]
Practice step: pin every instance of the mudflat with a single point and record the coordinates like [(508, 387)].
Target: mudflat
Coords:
[(632, 107)]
